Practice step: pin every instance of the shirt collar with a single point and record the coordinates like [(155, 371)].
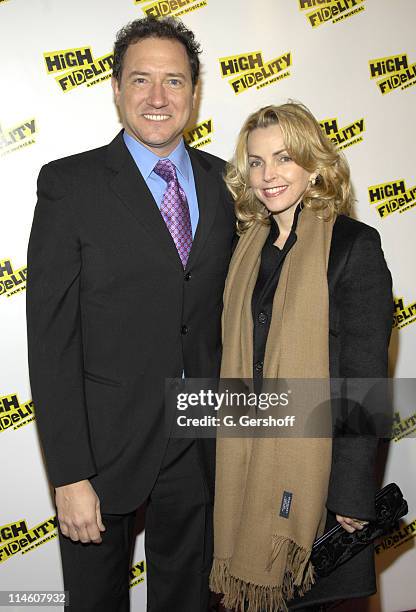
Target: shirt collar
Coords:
[(274, 228), (146, 159)]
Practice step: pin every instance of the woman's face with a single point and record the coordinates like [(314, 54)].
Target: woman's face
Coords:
[(277, 181)]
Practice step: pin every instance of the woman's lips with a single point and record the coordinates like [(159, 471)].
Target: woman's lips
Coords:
[(273, 192)]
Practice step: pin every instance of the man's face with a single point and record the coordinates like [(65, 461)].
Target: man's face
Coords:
[(154, 96)]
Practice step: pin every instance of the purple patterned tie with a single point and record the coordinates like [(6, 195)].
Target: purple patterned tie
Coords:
[(175, 209)]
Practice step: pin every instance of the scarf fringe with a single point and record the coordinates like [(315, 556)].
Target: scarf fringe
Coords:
[(297, 560), (298, 579)]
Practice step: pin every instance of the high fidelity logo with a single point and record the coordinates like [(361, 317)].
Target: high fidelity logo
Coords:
[(11, 281), (322, 11), (78, 67), (199, 135), (392, 197), (403, 427), (17, 537), (397, 537), (18, 136), (345, 136), (404, 314), (251, 70), (137, 573), (393, 72), (13, 414), (175, 8)]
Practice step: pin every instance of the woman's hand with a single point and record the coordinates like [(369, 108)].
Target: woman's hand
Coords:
[(350, 524)]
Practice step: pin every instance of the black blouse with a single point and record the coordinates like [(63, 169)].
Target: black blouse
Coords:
[(271, 263)]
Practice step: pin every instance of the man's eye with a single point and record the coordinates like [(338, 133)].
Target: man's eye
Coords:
[(140, 80), (175, 82)]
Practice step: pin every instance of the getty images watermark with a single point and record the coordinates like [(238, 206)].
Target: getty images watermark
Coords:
[(208, 408), (227, 406)]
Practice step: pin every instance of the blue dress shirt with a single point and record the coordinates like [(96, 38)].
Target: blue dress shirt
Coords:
[(146, 160)]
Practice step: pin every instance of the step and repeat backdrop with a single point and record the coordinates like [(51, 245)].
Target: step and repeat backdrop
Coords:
[(352, 62)]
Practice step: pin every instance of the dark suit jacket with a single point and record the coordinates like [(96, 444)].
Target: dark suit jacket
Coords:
[(111, 313), (361, 316)]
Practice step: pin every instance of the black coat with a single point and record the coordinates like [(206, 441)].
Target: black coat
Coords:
[(111, 313), (361, 314)]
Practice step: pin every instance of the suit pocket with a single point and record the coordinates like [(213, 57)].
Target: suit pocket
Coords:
[(102, 379)]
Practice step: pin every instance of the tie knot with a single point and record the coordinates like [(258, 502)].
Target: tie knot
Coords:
[(166, 170)]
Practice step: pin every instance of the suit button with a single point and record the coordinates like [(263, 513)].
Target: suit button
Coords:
[(184, 330), (188, 276), (262, 318), (258, 366)]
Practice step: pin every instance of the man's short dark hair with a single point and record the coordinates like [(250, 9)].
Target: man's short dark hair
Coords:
[(150, 27)]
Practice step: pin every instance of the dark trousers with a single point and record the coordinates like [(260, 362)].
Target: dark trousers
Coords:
[(178, 546)]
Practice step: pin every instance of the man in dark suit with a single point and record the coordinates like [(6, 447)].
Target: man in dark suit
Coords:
[(127, 259)]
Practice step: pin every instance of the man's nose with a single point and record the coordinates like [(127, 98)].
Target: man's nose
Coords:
[(157, 96)]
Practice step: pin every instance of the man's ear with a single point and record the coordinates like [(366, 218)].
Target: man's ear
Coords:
[(116, 89), (194, 96)]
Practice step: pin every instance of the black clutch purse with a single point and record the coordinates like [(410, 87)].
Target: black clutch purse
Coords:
[(337, 546)]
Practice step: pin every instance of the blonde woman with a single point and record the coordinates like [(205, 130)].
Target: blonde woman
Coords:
[(308, 295)]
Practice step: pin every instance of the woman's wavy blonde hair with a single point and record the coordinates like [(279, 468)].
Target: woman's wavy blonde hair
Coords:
[(309, 148)]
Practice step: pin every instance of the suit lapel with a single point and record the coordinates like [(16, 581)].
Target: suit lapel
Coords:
[(131, 189), (207, 191), (340, 248)]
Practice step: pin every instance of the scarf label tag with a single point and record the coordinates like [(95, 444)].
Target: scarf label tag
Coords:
[(286, 503)]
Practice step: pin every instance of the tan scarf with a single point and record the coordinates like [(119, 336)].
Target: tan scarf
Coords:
[(261, 560)]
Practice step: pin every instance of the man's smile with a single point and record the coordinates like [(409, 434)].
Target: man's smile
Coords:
[(157, 117)]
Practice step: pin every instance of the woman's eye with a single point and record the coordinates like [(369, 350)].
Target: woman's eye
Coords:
[(284, 159), (255, 163)]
